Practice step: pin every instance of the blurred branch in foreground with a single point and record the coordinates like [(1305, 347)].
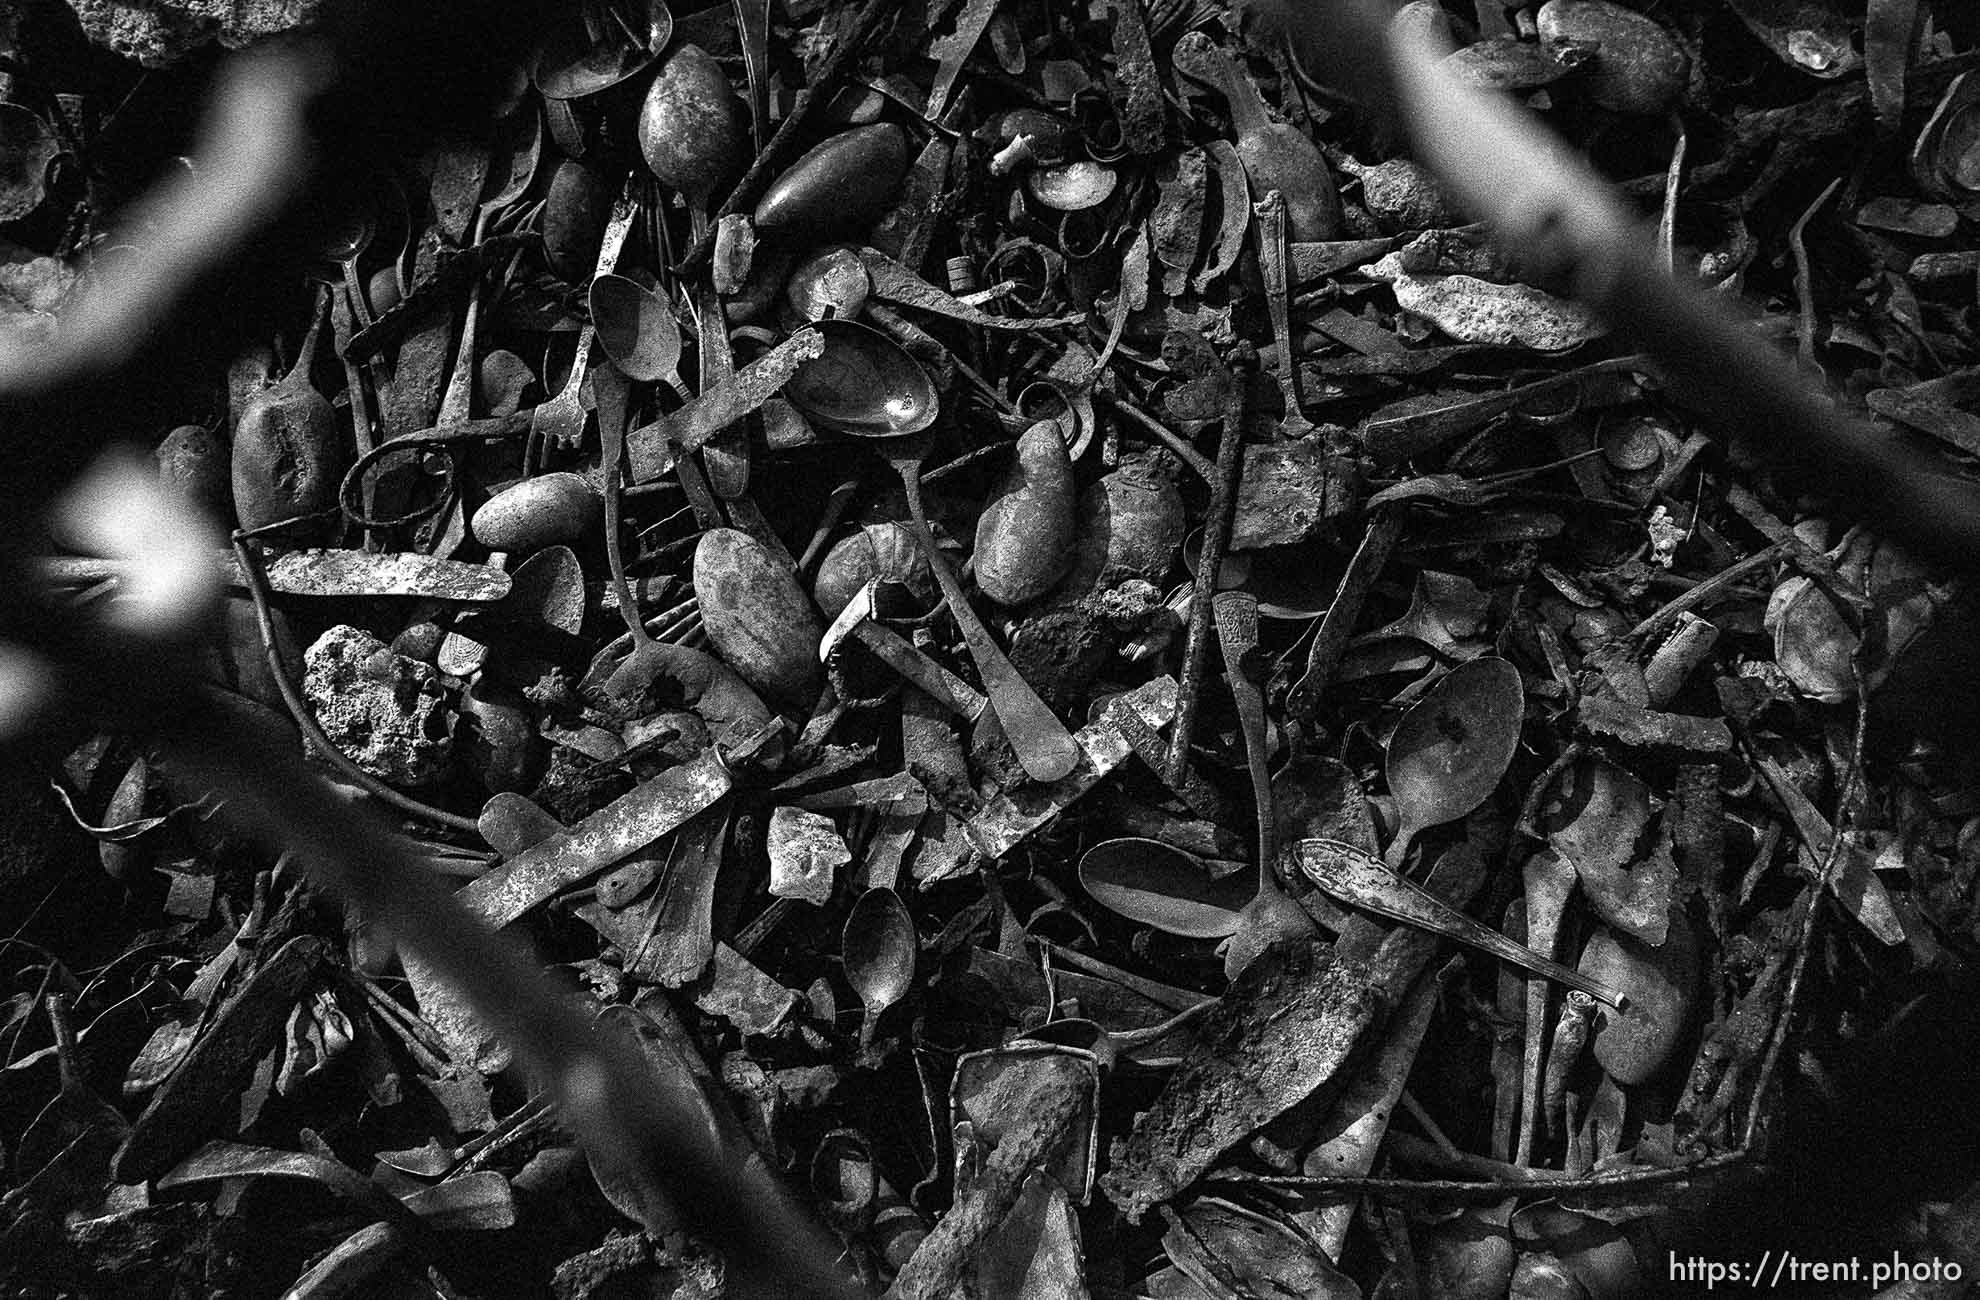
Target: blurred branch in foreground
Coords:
[(1566, 229)]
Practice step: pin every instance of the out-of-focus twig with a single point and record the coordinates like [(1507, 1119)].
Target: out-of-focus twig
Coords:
[(1568, 231), (626, 1115), (254, 157), (132, 666)]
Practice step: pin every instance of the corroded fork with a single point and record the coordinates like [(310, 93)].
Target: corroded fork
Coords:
[(561, 419)]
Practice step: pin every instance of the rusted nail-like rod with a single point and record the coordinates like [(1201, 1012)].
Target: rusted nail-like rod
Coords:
[(1216, 536)]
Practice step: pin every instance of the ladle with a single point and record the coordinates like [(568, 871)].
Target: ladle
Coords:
[(867, 386), (637, 329), (1452, 747), (878, 946)]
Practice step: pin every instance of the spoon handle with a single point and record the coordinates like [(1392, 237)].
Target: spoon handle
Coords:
[(1359, 880), (1270, 212), (725, 457), (568, 429), (1249, 117), (611, 388), (455, 405), (1399, 846), (1043, 745), (356, 291), (1236, 616)]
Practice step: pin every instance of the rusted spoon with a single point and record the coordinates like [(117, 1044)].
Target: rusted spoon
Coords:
[(867, 385), (637, 329), (1452, 747), (878, 946)]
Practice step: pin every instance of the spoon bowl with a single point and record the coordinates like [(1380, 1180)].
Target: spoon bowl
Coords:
[(515, 155), (576, 62), (878, 946), (1451, 749), (864, 384), (637, 329), (1158, 885), (344, 244)]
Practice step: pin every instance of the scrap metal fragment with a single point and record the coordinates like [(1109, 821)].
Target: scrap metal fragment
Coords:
[(1290, 1022), (1639, 728), (651, 448), (1177, 223), (195, 1101), (317, 572), (739, 991), (1134, 60), (1235, 220), (1007, 820), (626, 825)]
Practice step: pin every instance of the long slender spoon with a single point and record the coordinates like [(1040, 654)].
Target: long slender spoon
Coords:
[(753, 31), (1360, 880), (611, 389), (1272, 914), (1044, 747), (1110, 1045)]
